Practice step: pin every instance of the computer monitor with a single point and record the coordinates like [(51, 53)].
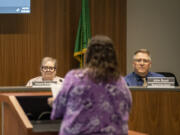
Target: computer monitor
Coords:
[(15, 6), (35, 107), (38, 112)]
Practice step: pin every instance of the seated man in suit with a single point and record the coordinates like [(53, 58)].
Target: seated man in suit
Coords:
[(141, 65)]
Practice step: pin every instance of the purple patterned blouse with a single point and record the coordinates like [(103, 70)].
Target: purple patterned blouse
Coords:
[(87, 108)]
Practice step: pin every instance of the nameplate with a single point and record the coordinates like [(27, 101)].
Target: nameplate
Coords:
[(43, 83), (160, 82), (55, 87)]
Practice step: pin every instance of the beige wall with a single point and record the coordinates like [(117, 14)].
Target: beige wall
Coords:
[(154, 24)]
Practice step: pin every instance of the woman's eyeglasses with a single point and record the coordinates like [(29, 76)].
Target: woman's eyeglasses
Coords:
[(46, 68)]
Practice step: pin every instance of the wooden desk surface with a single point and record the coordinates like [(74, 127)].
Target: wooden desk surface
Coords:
[(155, 111), (23, 91)]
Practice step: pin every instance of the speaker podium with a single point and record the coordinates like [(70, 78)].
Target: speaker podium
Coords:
[(15, 107)]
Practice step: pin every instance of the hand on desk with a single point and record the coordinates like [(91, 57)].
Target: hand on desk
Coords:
[(50, 101)]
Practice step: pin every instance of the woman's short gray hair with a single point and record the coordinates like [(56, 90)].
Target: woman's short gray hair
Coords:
[(46, 59)]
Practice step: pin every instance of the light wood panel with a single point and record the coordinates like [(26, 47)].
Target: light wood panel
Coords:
[(50, 30)]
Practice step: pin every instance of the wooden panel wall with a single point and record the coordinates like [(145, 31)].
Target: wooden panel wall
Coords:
[(50, 30)]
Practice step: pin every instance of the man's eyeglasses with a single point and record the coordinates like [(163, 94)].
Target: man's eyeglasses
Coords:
[(46, 68), (142, 60)]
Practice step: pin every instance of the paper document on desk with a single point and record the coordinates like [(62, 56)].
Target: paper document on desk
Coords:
[(55, 88)]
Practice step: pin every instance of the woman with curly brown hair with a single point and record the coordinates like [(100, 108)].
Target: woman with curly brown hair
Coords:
[(94, 100)]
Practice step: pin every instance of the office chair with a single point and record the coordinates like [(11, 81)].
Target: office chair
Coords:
[(169, 74)]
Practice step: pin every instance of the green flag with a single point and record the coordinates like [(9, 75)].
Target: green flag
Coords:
[(83, 33)]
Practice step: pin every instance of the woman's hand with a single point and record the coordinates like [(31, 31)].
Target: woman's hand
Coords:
[(50, 101)]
